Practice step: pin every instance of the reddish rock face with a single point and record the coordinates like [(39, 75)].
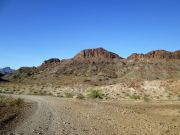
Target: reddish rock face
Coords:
[(49, 63), (95, 54), (158, 54)]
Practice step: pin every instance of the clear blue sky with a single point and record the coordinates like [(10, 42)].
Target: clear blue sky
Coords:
[(34, 30)]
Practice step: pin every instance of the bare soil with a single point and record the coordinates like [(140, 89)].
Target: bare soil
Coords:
[(60, 116), (10, 116)]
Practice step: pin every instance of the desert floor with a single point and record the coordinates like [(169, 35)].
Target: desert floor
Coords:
[(63, 116)]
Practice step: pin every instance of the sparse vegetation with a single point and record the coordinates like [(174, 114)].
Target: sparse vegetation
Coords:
[(178, 97), (8, 101), (50, 94), (80, 96), (136, 97), (18, 101), (95, 93), (146, 98), (68, 95), (174, 119)]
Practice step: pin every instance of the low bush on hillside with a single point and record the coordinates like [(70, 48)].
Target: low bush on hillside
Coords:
[(146, 98), (136, 97), (178, 97), (95, 93), (80, 96), (68, 95), (8, 101)]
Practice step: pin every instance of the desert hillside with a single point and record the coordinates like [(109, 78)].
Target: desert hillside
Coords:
[(155, 75)]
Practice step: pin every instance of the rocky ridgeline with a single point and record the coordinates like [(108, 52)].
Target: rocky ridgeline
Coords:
[(84, 56), (158, 54), (100, 54), (101, 66), (95, 55)]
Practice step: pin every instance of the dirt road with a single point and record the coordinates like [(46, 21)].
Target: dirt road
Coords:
[(59, 116)]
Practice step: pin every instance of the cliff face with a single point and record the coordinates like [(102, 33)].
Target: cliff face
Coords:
[(95, 55), (158, 54)]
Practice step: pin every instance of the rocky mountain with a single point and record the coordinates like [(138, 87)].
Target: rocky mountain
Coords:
[(49, 63), (95, 55), (101, 67), (6, 70), (158, 54)]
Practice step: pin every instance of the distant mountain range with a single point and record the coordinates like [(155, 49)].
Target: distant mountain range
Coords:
[(98, 67), (6, 70)]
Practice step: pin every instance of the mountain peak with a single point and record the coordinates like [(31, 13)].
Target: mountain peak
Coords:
[(95, 53), (6, 70)]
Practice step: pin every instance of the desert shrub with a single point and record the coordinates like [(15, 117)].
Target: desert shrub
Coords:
[(59, 95), (174, 119), (95, 93), (80, 96), (146, 98), (2, 101), (42, 93), (136, 97), (68, 95), (18, 102), (8, 101), (34, 93), (50, 94), (178, 97)]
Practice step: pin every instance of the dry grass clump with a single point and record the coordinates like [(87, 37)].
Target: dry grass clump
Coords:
[(95, 93), (136, 97), (178, 98), (80, 96), (146, 98), (68, 95), (8, 101)]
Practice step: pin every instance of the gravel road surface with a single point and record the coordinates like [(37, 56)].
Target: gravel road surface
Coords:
[(60, 116)]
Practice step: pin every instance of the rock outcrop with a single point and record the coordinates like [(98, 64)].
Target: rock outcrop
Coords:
[(49, 63), (158, 54), (95, 55), (53, 61)]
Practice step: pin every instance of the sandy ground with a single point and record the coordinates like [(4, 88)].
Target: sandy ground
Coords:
[(60, 116), (153, 90)]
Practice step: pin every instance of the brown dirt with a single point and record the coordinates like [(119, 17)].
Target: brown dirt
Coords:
[(11, 115), (59, 116)]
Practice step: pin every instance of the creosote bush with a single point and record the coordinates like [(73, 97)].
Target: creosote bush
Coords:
[(178, 98), (136, 97), (146, 98), (95, 93), (18, 101), (80, 96), (68, 95)]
